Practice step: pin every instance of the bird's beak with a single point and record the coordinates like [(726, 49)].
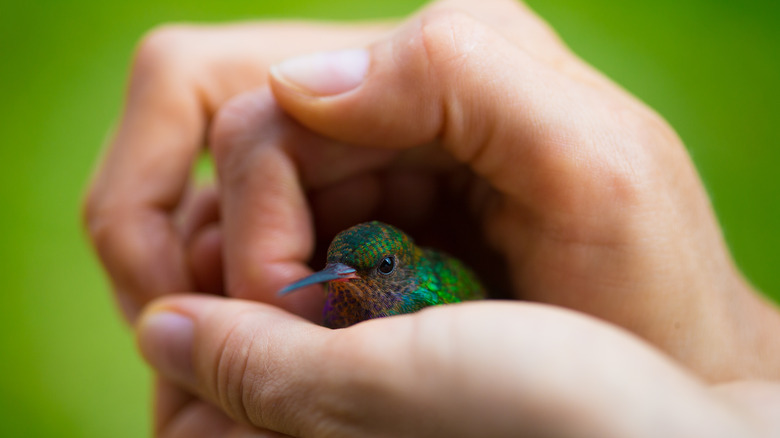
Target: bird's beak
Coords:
[(332, 271)]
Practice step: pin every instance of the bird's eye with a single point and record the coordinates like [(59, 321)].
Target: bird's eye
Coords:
[(387, 265)]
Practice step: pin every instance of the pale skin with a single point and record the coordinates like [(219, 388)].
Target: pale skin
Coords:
[(645, 327)]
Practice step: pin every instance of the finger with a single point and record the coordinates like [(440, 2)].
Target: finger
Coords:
[(205, 260), (574, 167), (515, 21), (178, 79), (266, 222), (191, 346), (520, 26), (143, 178), (435, 80), (429, 374), (201, 233), (199, 209), (267, 167)]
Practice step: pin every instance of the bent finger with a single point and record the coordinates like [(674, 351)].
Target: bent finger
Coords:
[(267, 228), (181, 74)]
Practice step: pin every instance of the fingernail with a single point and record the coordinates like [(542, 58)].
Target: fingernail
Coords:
[(324, 73), (165, 339)]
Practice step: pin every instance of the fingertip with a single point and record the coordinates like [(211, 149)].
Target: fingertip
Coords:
[(388, 95), (323, 73), (241, 120), (241, 354), (165, 339)]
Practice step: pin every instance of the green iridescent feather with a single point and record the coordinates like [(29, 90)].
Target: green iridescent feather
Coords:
[(358, 289)]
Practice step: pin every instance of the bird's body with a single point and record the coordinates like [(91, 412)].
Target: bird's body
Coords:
[(375, 270)]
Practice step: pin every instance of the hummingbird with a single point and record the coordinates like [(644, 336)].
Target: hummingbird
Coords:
[(374, 270)]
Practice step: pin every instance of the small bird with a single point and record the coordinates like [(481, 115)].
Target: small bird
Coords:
[(375, 270)]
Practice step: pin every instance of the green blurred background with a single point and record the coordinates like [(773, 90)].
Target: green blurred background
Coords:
[(68, 366)]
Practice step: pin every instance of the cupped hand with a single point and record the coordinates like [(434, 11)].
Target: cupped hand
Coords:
[(155, 230), (477, 369), (469, 120), (588, 196)]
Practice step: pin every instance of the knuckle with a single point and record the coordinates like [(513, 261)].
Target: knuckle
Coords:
[(161, 45), (449, 35), (453, 45), (99, 219), (613, 172), (342, 356), (228, 124), (99, 216), (163, 59), (135, 245), (240, 127), (360, 372), (242, 391), (122, 239), (230, 369)]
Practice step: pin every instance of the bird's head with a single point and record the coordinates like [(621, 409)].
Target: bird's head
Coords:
[(371, 255)]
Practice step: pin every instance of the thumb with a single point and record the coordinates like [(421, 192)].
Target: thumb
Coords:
[(273, 370), (250, 360), (428, 374), (446, 77)]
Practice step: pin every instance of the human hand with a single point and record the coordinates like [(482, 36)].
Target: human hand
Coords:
[(586, 194), (477, 369), (593, 201), (155, 231)]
